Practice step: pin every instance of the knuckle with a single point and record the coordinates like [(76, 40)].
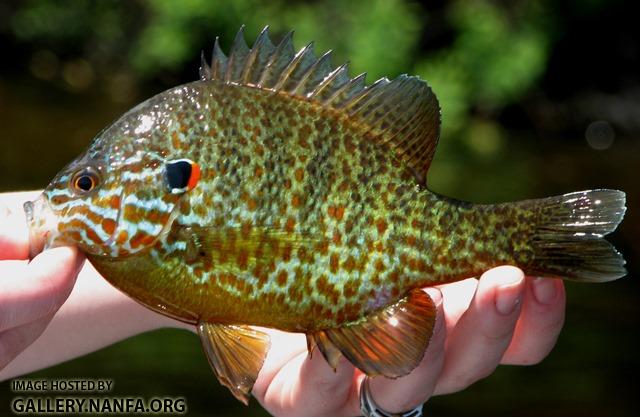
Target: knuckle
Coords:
[(7, 317), (8, 351), (465, 380), (56, 293), (498, 334)]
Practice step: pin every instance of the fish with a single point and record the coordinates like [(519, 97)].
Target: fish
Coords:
[(277, 191)]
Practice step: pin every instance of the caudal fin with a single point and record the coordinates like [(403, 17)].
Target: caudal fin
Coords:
[(568, 239)]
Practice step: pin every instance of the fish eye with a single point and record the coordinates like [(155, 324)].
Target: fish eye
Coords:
[(85, 180)]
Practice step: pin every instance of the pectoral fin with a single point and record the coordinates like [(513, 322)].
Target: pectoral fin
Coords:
[(390, 342), (236, 355)]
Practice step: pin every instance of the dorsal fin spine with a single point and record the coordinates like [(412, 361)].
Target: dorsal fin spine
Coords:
[(218, 61), (355, 84), (293, 64), (316, 66), (237, 57), (261, 51), (333, 76), (205, 69), (244, 77), (369, 95), (284, 48)]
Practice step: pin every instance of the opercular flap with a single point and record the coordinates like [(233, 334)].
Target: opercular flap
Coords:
[(236, 355)]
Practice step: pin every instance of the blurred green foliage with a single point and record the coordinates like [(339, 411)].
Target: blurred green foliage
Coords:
[(495, 54)]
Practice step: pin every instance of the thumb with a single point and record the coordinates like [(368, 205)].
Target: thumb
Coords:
[(37, 289)]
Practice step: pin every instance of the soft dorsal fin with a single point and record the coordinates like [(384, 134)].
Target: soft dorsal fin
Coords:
[(403, 113)]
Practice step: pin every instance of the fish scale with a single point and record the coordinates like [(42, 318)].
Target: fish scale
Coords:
[(276, 191)]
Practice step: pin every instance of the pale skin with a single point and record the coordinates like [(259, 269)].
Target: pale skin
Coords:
[(47, 316)]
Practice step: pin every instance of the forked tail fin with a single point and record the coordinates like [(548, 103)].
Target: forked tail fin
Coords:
[(568, 240)]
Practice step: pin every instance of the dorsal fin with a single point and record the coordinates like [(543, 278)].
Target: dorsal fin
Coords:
[(403, 113)]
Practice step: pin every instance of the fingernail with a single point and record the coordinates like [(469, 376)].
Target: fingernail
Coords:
[(544, 290), (508, 296), (435, 294)]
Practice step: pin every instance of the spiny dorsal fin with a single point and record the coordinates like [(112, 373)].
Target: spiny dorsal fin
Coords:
[(403, 113)]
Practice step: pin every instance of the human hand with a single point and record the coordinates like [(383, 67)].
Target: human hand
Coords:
[(503, 318), (30, 292)]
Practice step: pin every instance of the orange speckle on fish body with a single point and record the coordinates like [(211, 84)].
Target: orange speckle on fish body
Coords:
[(334, 263), (381, 225)]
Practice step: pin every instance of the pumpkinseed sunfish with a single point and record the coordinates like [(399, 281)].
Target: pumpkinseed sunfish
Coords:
[(277, 191)]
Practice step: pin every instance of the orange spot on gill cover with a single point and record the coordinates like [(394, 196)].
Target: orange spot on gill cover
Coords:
[(114, 202), (141, 239), (92, 235), (122, 237), (131, 213), (109, 226)]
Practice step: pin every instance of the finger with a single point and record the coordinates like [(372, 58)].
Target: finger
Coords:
[(308, 386), (405, 393), (37, 289), (539, 324), (456, 299), (14, 233), (483, 333), (283, 348), (17, 339)]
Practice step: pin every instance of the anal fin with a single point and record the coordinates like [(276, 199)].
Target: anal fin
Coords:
[(391, 342), (236, 355)]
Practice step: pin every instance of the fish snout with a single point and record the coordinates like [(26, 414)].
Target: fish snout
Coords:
[(42, 225)]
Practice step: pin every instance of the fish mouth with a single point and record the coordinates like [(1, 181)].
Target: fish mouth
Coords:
[(41, 222)]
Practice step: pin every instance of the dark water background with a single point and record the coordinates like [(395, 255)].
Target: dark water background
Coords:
[(547, 104)]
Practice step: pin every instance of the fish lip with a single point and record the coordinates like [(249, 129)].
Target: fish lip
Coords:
[(39, 218)]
